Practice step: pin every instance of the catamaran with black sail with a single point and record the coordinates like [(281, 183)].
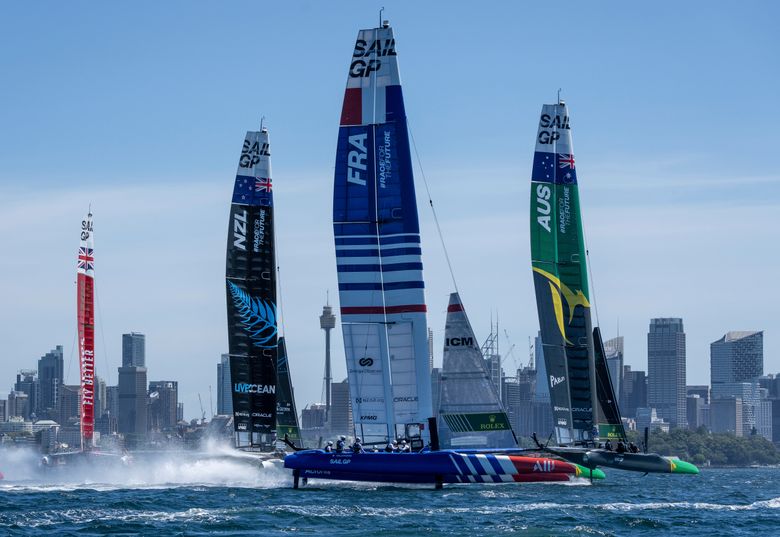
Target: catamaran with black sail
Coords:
[(261, 389), (383, 311), (585, 409)]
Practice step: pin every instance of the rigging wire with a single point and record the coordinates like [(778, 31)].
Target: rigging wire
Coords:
[(433, 209)]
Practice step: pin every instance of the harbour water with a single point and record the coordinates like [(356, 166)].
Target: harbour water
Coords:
[(186, 494)]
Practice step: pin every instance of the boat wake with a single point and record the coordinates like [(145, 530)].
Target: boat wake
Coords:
[(214, 467)]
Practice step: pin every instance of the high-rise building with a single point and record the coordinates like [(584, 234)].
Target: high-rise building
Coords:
[(100, 397), (50, 378), (695, 407), (224, 393), (702, 390), (736, 364), (634, 390), (133, 350), (666, 370), (18, 405), (736, 357), (726, 416), (179, 412), (613, 349), (313, 416), (68, 406), (340, 417), (164, 399), (3, 411), (27, 383), (133, 403)]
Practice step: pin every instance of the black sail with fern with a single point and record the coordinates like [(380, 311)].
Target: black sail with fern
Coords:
[(251, 295)]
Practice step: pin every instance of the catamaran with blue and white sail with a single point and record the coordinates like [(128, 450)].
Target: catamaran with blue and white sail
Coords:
[(381, 293)]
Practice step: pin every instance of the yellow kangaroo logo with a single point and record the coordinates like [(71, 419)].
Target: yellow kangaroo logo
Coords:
[(557, 288)]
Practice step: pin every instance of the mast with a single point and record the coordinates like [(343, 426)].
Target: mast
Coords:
[(560, 278), (378, 255), (251, 295), (85, 269)]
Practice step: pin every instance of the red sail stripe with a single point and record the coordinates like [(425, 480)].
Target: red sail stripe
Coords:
[(366, 310), (352, 111), (454, 308)]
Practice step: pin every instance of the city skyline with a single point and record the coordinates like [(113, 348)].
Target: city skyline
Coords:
[(676, 214)]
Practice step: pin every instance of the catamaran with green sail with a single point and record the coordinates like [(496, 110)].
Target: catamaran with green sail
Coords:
[(584, 406)]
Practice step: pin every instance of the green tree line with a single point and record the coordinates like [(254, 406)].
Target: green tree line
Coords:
[(720, 449)]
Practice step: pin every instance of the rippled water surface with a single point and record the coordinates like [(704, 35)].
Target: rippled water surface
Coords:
[(190, 495)]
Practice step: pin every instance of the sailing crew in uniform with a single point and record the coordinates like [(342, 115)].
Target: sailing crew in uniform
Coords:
[(329, 446), (608, 445), (340, 444), (357, 447)]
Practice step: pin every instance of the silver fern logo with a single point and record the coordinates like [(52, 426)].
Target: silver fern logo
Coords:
[(258, 316)]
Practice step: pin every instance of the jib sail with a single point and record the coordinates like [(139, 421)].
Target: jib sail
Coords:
[(286, 415), (85, 298), (470, 412)]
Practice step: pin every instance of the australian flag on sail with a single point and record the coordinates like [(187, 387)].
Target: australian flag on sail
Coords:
[(554, 168), (252, 191)]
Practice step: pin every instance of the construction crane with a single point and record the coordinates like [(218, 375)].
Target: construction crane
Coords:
[(202, 412)]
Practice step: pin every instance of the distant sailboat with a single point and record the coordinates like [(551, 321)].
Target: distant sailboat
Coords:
[(469, 409), (584, 405), (86, 331), (256, 353)]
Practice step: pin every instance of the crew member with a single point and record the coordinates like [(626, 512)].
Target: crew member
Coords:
[(357, 447), (633, 448), (340, 444), (389, 447), (405, 448), (621, 447), (329, 447), (608, 445)]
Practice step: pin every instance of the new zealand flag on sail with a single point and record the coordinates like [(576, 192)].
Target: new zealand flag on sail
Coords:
[(554, 168), (253, 191)]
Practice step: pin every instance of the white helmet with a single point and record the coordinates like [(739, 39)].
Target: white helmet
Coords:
[(330, 442), (357, 439), (342, 437)]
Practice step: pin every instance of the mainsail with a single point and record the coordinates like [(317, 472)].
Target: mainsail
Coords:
[(560, 278), (470, 412), (86, 329), (378, 252), (286, 415), (251, 294)]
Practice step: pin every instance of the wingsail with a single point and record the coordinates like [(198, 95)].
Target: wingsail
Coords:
[(378, 253), (251, 294), (560, 278)]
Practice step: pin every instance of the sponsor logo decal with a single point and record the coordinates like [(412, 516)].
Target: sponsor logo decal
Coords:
[(459, 342), (340, 461), (251, 153), (259, 231), (560, 409), (548, 128), (361, 400), (554, 381), (368, 418), (385, 164), (244, 387), (546, 465), (366, 362), (86, 229), (404, 399), (364, 64)]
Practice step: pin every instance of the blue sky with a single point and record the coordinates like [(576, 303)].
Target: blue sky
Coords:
[(141, 108)]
